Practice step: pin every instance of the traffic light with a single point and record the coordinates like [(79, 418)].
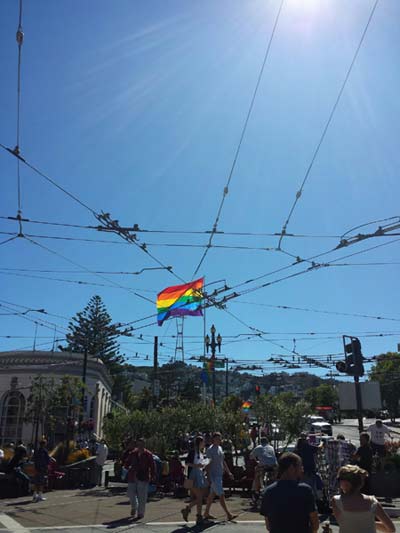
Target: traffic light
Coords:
[(353, 364), (258, 390)]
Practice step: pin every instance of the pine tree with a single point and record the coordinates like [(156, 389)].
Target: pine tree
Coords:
[(92, 329)]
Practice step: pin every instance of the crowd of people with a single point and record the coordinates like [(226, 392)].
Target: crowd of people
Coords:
[(330, 470), (29, 468), (291, 482)]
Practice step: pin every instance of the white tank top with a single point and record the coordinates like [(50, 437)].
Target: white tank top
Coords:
[(356, 521)]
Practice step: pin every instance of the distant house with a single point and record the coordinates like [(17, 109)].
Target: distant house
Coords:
[(138, 381), (19, 368)]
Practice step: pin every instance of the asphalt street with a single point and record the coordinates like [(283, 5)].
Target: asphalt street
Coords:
[(349, 428)]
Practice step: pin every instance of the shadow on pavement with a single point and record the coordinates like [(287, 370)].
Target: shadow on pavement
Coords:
[(119, 523), (195, 528), (24, 502)]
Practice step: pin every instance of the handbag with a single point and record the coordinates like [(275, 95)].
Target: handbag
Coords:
[(188, 483)]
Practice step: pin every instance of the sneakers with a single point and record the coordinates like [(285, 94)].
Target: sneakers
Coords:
[(38, 498)]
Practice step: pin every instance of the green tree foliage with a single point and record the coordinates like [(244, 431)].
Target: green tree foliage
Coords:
[(51, 401), (387, 372), (283, 414), (231, 404), (92, 329), (162, 426), (324, 394)]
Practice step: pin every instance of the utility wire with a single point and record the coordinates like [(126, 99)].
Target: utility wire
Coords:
[(155, 244), (44, 323), (243, 133), (8, 240), (88, 270), (174, 232), (71, 281), (43, 311), (108, 272), (48, 178), (310, 310), (306, 271), (325, 130)]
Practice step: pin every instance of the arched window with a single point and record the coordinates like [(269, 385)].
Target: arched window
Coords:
[(12, 416)]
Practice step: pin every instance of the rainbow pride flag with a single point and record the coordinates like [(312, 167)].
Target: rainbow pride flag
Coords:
[(180, 300), (206, 373), (246, 406)]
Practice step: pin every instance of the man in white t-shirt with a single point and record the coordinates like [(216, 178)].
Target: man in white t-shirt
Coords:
[(378, 432), (101, 457), (215, 471), (265, 456)]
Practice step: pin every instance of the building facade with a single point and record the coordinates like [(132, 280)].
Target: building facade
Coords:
[(18, 369)]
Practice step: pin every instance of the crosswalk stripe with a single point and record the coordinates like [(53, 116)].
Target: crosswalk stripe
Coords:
[(12, 525)]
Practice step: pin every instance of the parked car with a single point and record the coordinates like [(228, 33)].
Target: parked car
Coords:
[(319, 425)]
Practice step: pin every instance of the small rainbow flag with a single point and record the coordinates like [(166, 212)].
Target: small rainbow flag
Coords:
[(206, 373), (180, 300), (246, 406)]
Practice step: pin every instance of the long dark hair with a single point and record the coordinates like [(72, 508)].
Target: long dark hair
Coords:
[(197, 441)]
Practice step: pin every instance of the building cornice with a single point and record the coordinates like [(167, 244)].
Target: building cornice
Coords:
[(25, 361)]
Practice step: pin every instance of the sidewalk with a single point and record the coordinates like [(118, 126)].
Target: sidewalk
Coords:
[(110, 507), (106, 506)]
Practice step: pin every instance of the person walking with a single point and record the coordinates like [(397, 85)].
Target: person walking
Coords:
[(215, 471), (15, 468), (356, 512), (41, 460), (196, 462), (287, 505), (308, 452), (364, 458), (101, 458), (141, 470), (378, 430)]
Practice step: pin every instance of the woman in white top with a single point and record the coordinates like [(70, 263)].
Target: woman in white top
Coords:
[(196, 462), (356, 512)]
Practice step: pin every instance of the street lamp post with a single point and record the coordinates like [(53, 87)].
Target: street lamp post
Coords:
[(213, 343)]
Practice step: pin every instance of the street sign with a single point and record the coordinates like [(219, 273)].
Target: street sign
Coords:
[(218, 363), (156, 386)]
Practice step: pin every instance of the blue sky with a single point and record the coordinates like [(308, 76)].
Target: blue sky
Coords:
[(137, 109)]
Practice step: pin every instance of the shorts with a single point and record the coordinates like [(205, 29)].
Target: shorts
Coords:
[(40, 478), (216, 486)]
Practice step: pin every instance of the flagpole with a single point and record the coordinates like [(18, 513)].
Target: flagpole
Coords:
[(204, 347)]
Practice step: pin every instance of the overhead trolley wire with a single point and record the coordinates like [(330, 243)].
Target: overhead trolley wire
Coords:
[(243, 133), (71, 281), (44, 323), (49, 179), (310, 310), (8, 240), (306, 271), (174, 232), (87, 270), (325, 130)]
